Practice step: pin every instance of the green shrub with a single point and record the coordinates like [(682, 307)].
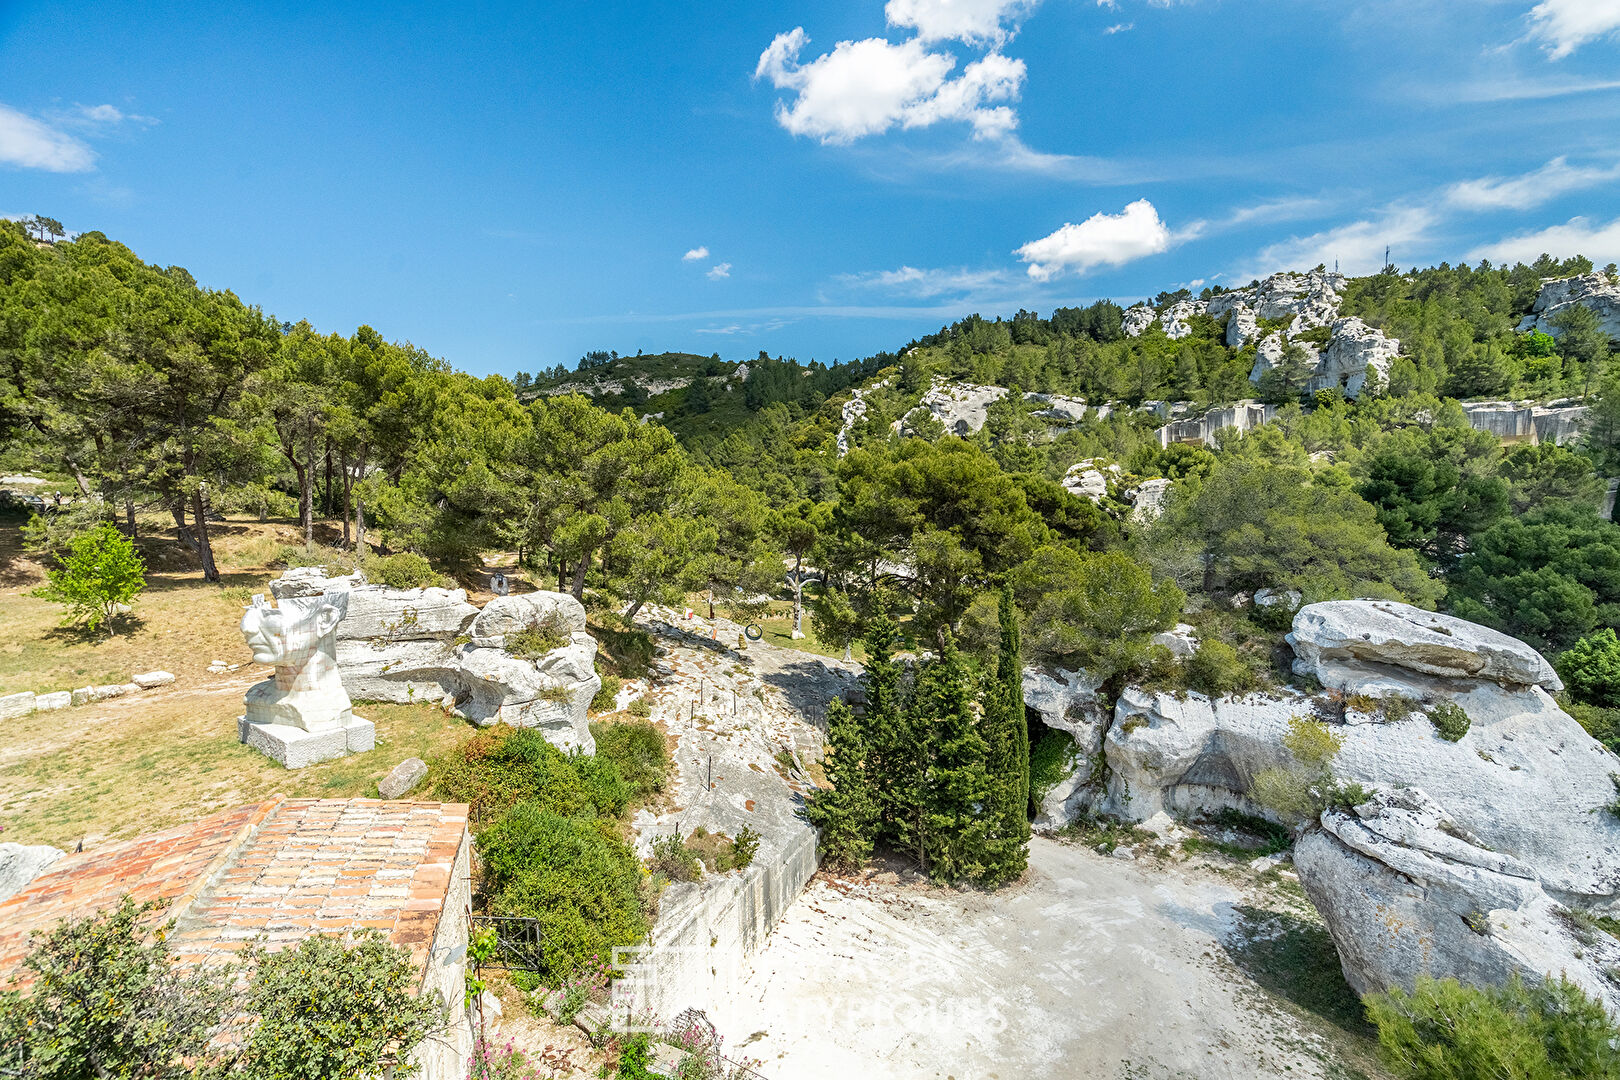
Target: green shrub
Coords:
[(744, 848), (1395, 707), (1052, 758), (1300, 791), (331, 560), (572, 874), (543, 635), (100, 573), (1449, 720), (1602, 724), (607, 695), (640, 708), (639, 752), (672, 859), (1216, 669), (403, 570), (1446, 1031), (1590, 669), (504, 766), (327, 1009)]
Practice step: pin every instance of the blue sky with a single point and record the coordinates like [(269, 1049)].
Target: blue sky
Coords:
[(509, 186)]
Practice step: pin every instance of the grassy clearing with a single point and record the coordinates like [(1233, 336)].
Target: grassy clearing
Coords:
[(134, 764)]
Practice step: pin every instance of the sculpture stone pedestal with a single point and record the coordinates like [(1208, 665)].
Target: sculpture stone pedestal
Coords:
[(295, 747)]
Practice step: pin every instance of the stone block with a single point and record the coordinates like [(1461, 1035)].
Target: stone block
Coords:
[(86, 695), (147, 680), (295, 748), (15, 705), (61, 699), (404, 776)]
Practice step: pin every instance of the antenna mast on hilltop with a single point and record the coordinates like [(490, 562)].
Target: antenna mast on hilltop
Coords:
[(1386, 256)]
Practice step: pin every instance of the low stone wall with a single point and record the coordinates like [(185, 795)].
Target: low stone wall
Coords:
[(445, 1056)]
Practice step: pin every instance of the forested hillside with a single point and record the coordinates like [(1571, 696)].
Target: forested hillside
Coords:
[(142, 390)]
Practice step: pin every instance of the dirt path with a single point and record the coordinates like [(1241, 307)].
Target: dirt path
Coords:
[(1094, 967)]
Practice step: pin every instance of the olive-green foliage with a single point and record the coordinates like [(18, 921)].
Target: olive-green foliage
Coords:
[(1590, 669), (327, 1009), (100, 572), (845, 812), (574, 874), (1103, 617), (1602, 724), (1443, 1030), (1216, 669), (1052, 758), (672, 859), (107, 1000), (1450, 722), (638, 750), (1300, 791), (607, 695), (504, 766), (543, 635), (402, 570)]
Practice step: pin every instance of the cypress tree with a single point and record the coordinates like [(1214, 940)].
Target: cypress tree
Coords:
[(1007, 735), (958, 795), (846, 813)]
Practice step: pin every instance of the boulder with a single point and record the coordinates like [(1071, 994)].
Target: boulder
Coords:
[(552, 693), (15, 705), (1181, 641), (506, 614), (1355, 355), (86, 695), (961, 407), (60, 699), (20, 864), (431, 614), (1174, 318), (1593, 291), (1137, 319), (400, 672), (1288, 598), (1343, 642), (1242, 327), (150, 680), (1406, 890), (402, 778), (313, 581), (1087, 479)]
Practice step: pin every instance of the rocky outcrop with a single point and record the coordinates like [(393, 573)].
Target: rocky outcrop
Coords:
[(1310, 300), (1243, 327), (1407, 890), (1243, 416), (1594, 291), (1174, 319), (21, 864), (1067, 701), (1089, 480), (1137, 319), (1376, 645), (1147, 499), (413, 645), (961, 407), (1356, 356)]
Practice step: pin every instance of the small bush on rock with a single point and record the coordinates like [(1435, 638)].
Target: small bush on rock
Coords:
[(543, 635), (607, 695), (1299, 792), (638, 750), (1446, 1031), (1216, 669), (672, 859), (403, 570), (1450, 722)]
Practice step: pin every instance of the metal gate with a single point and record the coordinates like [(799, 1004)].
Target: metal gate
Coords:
[(519, 944)]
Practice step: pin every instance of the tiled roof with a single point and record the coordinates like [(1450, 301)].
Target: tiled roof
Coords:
[(278, 870)]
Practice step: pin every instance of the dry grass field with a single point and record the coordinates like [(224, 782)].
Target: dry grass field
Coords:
[(130, 765)]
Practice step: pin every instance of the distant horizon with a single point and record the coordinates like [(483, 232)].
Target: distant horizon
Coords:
[(511, 188)]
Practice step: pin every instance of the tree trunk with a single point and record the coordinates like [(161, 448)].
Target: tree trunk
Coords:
[(798, 596), (306, 486), (562, 574), (199, 515), (359, 524), (348, 502), (129, 515), (178, 509), (630, 613), (579, 576), (326, 501)]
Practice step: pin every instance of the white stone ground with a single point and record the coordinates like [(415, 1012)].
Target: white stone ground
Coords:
[(1094, 967)]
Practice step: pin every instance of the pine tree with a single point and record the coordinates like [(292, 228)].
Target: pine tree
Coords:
[(846, 813), (897, 742), (1006, 733), (958, 796)]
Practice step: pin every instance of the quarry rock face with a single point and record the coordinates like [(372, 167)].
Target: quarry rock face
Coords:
[(1406, 890), (22, 863), (961, 407), (1067, 701), (1593, 291)]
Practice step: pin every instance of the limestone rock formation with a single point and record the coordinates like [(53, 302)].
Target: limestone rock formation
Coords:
[(1242, 327), (1067, 701), (1147, 499), (1362, 644), (1593, 291), (20, 864), (507, 614), (1174, 318), (1089, 480), (1407, 890), (1182, 641), (398, 645), (1137, 319), (1311, 299), (1356, 355), (961, 407), (551, 693)]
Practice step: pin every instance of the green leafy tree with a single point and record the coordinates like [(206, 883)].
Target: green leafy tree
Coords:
[(1431, 490), (1590, 669), (797, 529), (835, 620), (1581, 338), (959, 808), (100, 574), (1545, 473), (1285, 380), (1103, 618)]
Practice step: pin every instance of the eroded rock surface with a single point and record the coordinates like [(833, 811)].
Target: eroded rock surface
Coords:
[(1593, 291), (21, 864)]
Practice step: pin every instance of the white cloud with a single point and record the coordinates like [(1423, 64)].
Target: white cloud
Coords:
[(1557, 177), (103, 116), (1100, 240), (1357, 248), (971, 21), (1562, 26), (912, 281), (32, 144), (718, 271), (1578, 236), (868, 87), (695, 254), (1120, 28)]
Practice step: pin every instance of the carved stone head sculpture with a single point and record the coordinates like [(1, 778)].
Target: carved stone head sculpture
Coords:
[(298, 637)]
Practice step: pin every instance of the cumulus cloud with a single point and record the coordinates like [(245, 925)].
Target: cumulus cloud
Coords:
[(695, 254), (972, 21), (1562, 26), (718, 271), (867, 87), (1579, 236), (1357, 247), (28, 143), (1100, 240), (1557, 177)]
